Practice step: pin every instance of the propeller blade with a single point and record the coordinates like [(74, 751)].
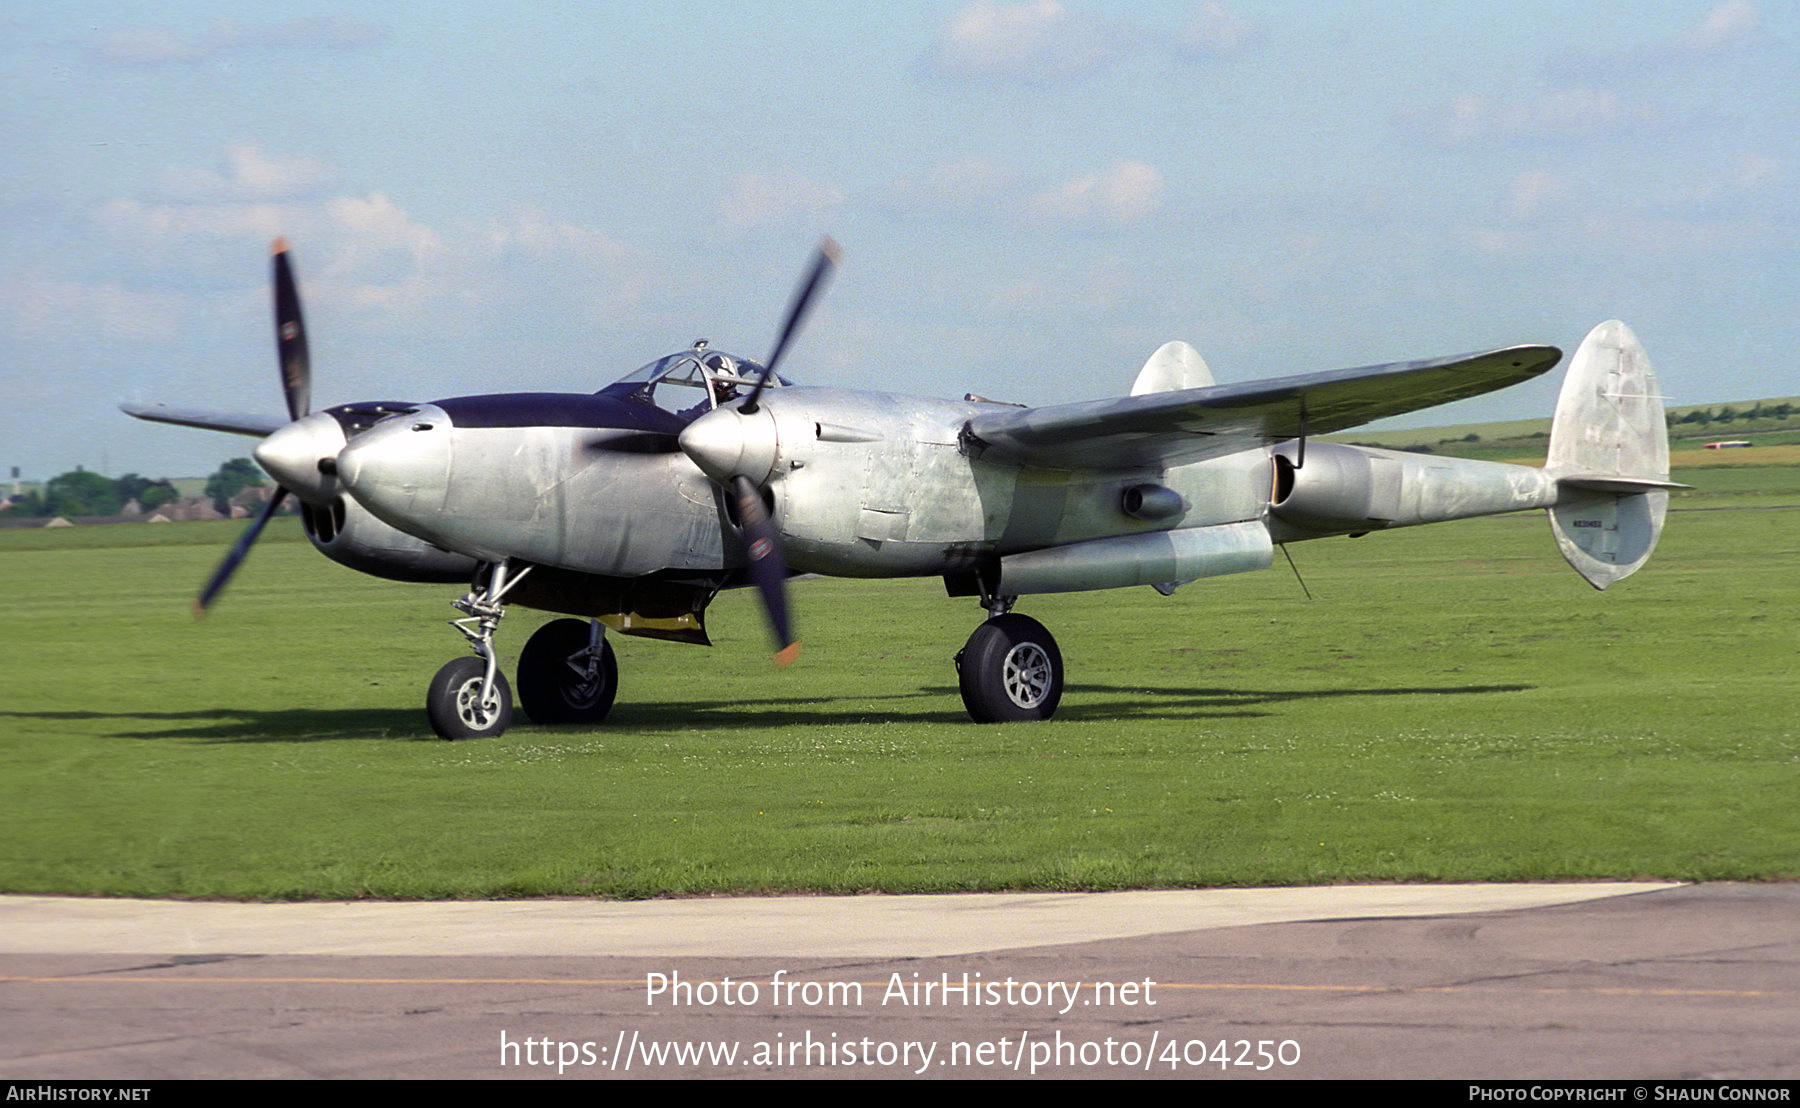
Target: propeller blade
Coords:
[(222, 576), (768, 569), (290, 336), (809, 290)]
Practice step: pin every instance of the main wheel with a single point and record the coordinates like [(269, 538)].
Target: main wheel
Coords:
[(561, 680), (456, 708), (1010, 670)]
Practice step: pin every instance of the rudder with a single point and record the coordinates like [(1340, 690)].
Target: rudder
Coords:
[(1609, 454)]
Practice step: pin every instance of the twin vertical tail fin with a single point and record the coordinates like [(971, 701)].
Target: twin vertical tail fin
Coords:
[(1609, 454), (1174, 366)]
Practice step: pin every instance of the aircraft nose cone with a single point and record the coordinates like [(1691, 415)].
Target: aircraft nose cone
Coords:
[(292, 456), (399, 469), (725, 443)]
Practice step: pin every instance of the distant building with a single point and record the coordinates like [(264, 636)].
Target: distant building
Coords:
[(191, 508)]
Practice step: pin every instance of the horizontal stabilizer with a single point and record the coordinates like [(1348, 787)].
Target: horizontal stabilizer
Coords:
[(1623, 486)]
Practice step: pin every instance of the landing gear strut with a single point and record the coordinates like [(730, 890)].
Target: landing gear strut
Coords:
[(1010, 669), (469, 698)]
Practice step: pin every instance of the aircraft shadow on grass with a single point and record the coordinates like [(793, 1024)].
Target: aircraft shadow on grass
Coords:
[(1094, 702)]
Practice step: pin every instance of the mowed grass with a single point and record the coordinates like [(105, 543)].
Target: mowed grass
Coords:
[(1452, 704)]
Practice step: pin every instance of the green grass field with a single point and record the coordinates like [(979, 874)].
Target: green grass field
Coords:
[(1453, 704)]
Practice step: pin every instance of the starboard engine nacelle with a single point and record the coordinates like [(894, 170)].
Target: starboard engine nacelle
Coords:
[(345, 532)]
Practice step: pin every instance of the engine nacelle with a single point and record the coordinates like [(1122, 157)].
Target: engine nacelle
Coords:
[(1334, 490), (345, 532)]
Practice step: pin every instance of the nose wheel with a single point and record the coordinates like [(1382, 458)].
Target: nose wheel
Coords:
[(1010, 670), (463, 704)]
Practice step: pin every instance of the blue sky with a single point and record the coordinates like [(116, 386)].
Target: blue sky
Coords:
[(1031, 196)]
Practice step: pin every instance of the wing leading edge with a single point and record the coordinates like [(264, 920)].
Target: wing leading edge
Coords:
[(1193, 424)]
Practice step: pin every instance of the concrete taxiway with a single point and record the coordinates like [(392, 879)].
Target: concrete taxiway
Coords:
[(1633, 981)]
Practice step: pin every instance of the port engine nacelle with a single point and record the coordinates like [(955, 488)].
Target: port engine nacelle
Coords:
[(345, 532)]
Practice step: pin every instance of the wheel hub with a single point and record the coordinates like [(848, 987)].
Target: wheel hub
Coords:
[(1026, 675), (475, 711), (581, 681)]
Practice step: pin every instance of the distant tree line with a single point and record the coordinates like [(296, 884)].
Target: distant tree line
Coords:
[(81, 493), (1700, 417)]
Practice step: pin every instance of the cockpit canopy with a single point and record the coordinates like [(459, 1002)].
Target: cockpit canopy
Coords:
[(692, 382)]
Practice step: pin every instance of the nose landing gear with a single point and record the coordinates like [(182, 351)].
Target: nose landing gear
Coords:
[(469, 697), (567, 672)]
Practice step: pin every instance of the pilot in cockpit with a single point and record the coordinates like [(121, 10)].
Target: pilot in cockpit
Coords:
[(722, 376)]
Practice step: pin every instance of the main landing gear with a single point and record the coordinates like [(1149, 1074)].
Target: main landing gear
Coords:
[(1010, 669), (567, 672)]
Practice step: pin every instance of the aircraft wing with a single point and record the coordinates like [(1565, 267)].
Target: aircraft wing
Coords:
[(1167, 428), (237, 423)]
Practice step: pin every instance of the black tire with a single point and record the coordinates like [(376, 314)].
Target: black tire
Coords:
[(453, 702), (554, 683), (1010, 671)]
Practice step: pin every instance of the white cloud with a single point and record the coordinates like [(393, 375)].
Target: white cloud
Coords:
[(36, 303), (540, 235), (767, 201), (1557, 116), (380, 223), (1218, 32), (144, 47), (151, 224), (1127, 192), (1036, 41), (1725, 26), (156, 46), (1546, 214), (360, 255), (1043, 42), (1726, 30), (1639, 235), (246, 171), (964, 185), (1533, 194)]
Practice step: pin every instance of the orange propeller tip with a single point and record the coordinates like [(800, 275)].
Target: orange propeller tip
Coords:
[(786, 655), (199, 610), (279, 246)]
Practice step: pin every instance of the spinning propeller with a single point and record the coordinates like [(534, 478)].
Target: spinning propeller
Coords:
[(730, 449), (296, 386)]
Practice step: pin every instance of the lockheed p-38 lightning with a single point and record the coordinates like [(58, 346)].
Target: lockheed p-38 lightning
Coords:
[(631, 508)]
